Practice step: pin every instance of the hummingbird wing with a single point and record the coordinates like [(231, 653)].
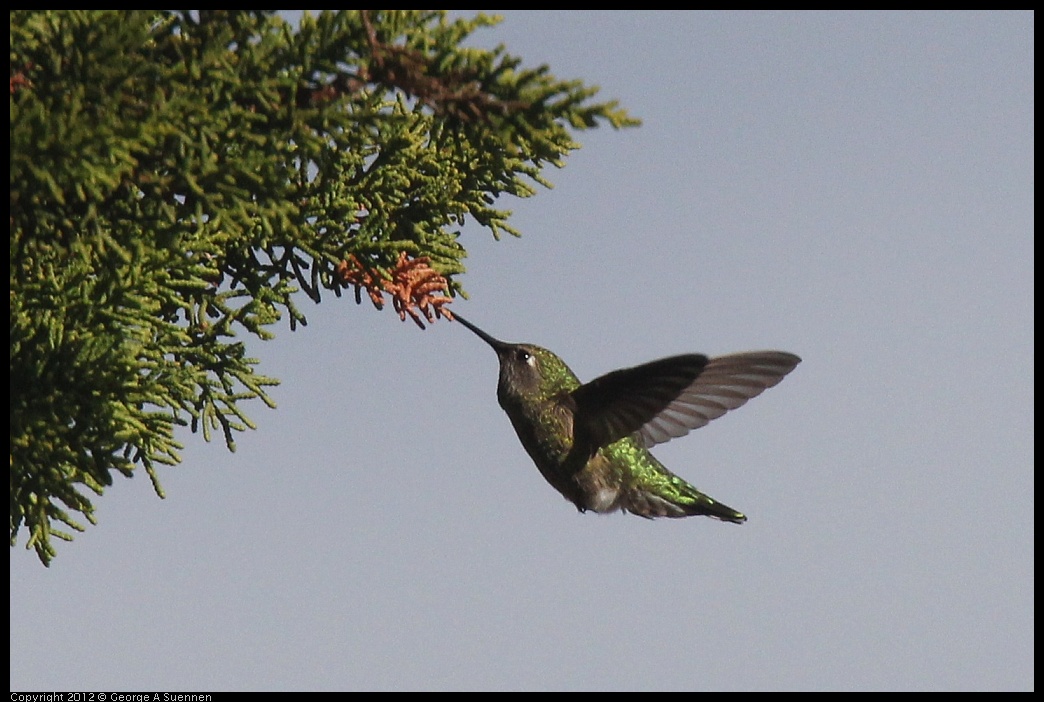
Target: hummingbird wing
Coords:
[(659, 401)]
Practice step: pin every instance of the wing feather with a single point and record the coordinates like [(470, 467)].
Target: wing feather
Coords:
[(665, 399)]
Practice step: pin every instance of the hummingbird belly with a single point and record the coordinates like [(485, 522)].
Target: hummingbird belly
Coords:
[(604, 499)]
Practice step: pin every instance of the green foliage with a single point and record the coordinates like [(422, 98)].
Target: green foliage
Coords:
[(177, 177)]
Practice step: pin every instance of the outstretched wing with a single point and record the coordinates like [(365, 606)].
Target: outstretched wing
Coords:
[(659, 401)]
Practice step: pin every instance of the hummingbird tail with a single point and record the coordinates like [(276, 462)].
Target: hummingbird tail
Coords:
[(685, 503), (712, 508)]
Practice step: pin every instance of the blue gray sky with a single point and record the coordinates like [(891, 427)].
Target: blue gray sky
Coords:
[(856, 188)]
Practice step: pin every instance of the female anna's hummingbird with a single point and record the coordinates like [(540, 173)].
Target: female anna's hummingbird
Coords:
[(591, 441)]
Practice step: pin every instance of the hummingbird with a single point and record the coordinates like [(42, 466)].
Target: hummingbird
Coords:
[(591, 441)]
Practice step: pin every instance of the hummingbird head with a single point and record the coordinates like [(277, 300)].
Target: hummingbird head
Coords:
[(527, 372)]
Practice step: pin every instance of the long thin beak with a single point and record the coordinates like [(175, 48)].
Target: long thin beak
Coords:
[(497, 344)]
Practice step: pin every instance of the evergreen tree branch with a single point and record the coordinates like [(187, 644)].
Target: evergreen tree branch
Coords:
[(177, 177)]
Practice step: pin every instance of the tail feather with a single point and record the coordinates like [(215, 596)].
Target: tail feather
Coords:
[(682, 503)]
